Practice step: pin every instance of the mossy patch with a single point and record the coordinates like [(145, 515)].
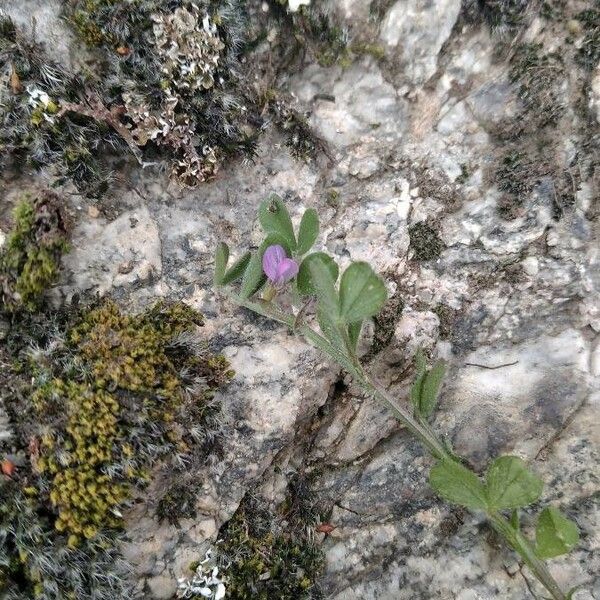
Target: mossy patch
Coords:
[(105, 399), (272, 555), (505, 15), (30, 258), (589, 52), (539, 76), (447, 317), (425, 242)]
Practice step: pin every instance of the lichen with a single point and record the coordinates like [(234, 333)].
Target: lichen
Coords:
[(105, 400), (425, 242), (30, 259)]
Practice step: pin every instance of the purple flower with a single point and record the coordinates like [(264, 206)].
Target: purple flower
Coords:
[(277, 266)]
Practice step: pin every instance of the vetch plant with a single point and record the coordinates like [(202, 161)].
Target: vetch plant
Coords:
[(343, 304)]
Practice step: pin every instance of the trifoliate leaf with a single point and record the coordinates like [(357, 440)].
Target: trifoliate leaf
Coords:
[(323, 282), (362, 292), (554, 534), (308, 231), (354, 334), (253, 277), (509, 484), (455, 483)]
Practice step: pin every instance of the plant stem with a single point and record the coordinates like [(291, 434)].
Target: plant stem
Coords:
[(520, 544), (419, 428), (513, 537)]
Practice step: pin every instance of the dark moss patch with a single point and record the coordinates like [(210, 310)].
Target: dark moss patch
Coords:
[(538, 76), (506, 15), (98, 401), (425, 242), (30, 259), (269, 555), (385, 323), (589, 53), (522, 173), (447, 317), (178, 502)]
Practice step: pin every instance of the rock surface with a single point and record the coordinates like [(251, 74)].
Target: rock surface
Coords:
[(513, 305)]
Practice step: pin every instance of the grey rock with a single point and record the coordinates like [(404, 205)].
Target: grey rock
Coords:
[(411, 140)]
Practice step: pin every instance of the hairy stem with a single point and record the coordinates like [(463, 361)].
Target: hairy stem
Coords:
[(520, 544), (419, 428), (513, 537)]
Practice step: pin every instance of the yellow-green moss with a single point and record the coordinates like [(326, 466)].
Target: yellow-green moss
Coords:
[(30, 260), (119, 407)]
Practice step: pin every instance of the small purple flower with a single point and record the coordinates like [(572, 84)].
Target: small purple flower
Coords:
[(277, 266)]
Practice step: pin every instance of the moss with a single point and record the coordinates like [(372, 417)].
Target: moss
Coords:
[(538, 76), (377, 51), (425, 242), (465, 173), (30, 259), (105, 400), (385, 324), (178, 502), (589, 53), (446, 316), (267, 556), (506, 15)]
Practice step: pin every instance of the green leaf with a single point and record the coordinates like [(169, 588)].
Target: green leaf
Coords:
[(323, 282), (354, 334), (430, 388), (304, 279), (253, 275), (514, 519), (237, 269), (308, 231), (221, 259), (332, 330), (417, 386), (362, 292), (455, 483), (510, 484), (554, 534), (274, 218)]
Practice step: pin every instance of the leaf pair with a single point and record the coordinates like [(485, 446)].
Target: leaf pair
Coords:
[(275, 219), (224, 276), (341, 313), (426, 388), (508, 484), (361, 294)]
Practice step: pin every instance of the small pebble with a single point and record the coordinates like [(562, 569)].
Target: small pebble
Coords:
[(126, 267)]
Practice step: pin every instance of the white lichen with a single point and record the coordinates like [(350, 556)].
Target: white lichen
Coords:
[(296, 4), (205, 583), (189, 47)]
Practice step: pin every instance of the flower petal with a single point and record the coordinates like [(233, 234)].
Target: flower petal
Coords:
[(272, 258), (287, 269)]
